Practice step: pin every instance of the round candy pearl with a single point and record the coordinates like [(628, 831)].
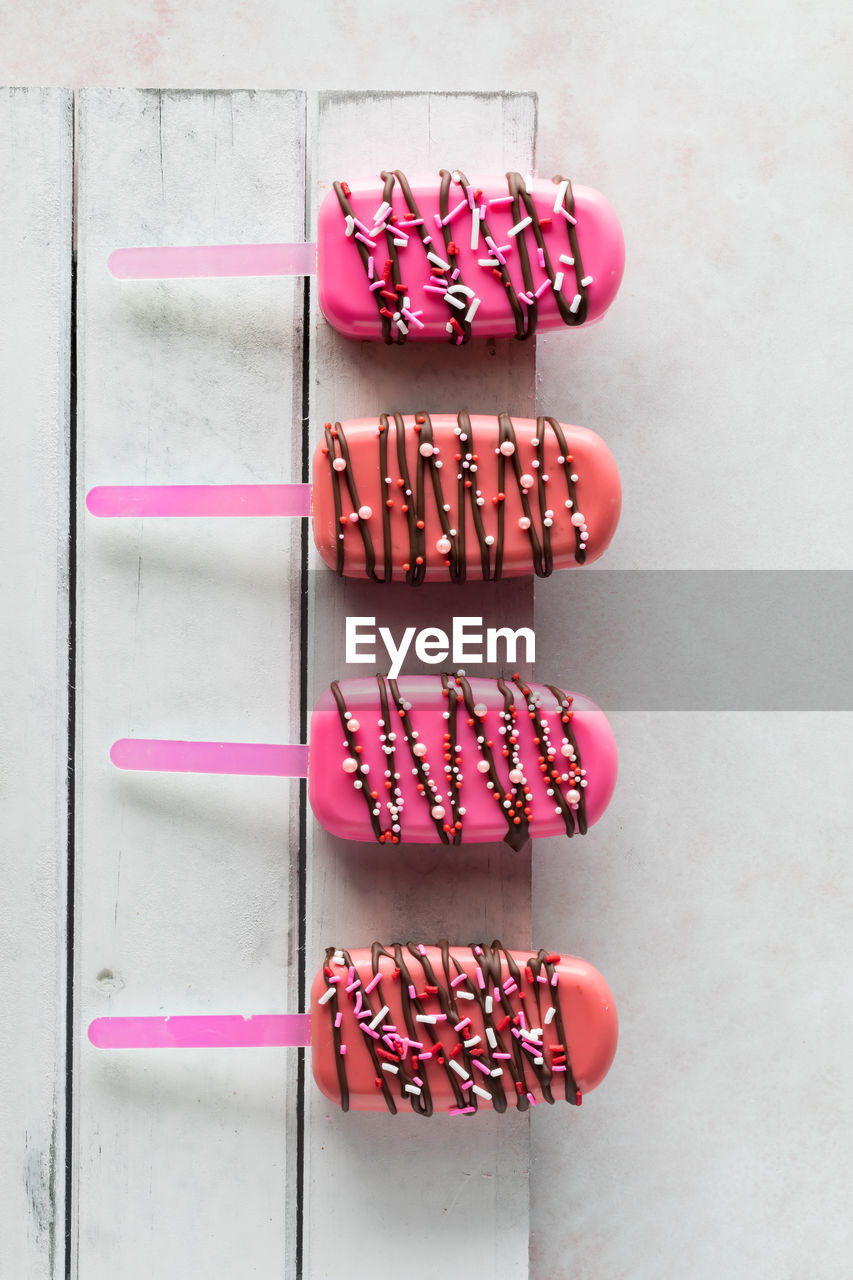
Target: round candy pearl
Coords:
[(507, 448), (567, 749), (578, 519), (482, 766), (526, 481), (419, 749), (524, 522), (349, 765), (365, 512), (353, 517), (515, 775), (573, 796), (437, 810), (480, 709), (426, 450), (443, 546), (339, 464), (353, 724)]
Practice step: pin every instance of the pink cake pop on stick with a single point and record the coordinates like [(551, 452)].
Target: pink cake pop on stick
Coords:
[(429, 759), (428, 497), (437, 1028), (435, 258)]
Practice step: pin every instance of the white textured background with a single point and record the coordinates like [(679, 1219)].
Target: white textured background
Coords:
[(716, 894)]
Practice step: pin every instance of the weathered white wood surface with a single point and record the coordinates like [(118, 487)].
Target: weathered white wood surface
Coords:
[(185, 890), (35, 317), (377, 1184)]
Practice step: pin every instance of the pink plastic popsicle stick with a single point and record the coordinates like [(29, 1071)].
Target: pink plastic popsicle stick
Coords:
[(218, 1031), (256, 759), (200, 500), (184, 261)]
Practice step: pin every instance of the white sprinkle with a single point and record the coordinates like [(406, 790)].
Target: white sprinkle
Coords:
[(460, 1071), (412, 1088), (561, 195), (576, 301), (475, 229), (400, 243), (470, 1043), (519, 226), (326, 996), (375, 1021), (484, 1093), (454, 302), (491, 1037), (564, 257), (350, 221), (438, 262), (426, 1017), (586, 280), (549, 1015), (558, 282), (389, 1066), (465, 995)]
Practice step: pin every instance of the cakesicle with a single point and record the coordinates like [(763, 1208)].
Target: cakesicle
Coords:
[(428, 497), (436, 1028), (435, 257), (427, 759)]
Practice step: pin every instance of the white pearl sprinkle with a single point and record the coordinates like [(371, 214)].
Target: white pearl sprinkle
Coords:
[(349, 765), (339, 465), (365, 512)]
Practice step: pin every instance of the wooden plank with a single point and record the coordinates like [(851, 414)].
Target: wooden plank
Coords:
[(35, 304), (186, 897), (477, 1200)]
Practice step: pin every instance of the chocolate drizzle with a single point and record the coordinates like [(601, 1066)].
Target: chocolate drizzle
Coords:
[(392, 299), (413, 499), (513, 787), (516, 1056)]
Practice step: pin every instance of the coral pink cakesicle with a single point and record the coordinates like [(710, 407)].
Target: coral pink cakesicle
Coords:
[(435, 1029), (426, 759), (428, 497), (439, 257)]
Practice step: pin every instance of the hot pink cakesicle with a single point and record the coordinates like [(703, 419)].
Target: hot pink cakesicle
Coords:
[(429, 759), (437, 1028), (428, 497), (435, 257)]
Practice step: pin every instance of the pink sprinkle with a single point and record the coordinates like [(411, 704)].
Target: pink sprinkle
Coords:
[(481, 981), (436, 217), (500, 202), (374, 981), (462, 204), (546, 284), (496, 251), (461, 1111), (412, 992), (411, 222), (370, 267), (555, 979), (466, 1022), (462, 977), (558, 1068), (368, 1031), (468, 1084), (510, 986), (352, 986), (531, 1099), (477, 1063), (339, 1017), (343, 1050), (418, 1081), (455, 273), (470, 194), (377, 285), (502, 1055), (432, 288), (371, 244), (482, 212), (540, 253), (413, 319), (361, 225), (540, 977)]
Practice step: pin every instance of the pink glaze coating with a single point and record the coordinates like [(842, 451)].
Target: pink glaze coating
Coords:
[(574, 758), (465, 1005), (344, 278), (367, 505)]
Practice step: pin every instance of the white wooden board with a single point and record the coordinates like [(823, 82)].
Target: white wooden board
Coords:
[(390, 1178), (186, 900), (35, 318)]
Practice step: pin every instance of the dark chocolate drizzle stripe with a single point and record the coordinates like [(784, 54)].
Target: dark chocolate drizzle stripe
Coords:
[(525, 316), (414, 500), (497, 966), (518, 812)]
